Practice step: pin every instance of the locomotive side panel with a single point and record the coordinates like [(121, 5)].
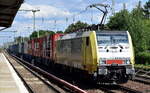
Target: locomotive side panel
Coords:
[(69, 52), (78, 51)]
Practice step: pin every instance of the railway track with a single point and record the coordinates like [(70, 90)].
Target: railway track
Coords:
[(142, 79), (138, 86), (112, 89), (130, 87), (142, 76), (39, 81)]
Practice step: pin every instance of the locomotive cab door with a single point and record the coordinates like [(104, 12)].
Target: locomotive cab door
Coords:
[(86, 52), (90, 53)]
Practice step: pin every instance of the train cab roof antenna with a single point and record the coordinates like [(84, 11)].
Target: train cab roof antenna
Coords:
[(105, 11)]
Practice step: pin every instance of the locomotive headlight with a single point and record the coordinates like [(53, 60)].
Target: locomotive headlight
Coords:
[(102, 61), (127, 61)]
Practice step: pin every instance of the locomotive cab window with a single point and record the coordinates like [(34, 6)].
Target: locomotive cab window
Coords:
[(87, 41)]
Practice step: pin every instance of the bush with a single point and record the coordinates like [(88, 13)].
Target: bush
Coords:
[(143, 58), (141, 66)]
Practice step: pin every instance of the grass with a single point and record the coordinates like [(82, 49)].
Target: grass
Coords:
[(142, 66)]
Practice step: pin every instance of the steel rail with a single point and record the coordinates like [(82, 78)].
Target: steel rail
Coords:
[(52, 77), (30, 90), (129, 90)]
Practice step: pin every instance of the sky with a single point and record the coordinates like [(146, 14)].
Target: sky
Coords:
[(56, 15)]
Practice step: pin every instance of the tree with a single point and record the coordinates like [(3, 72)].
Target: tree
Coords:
[(147, 10), (136, 28), (61, 32), (41, 33), (119, 21), (76, 26)]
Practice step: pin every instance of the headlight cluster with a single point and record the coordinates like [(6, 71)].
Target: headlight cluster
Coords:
[(127, 61), (102, 61)]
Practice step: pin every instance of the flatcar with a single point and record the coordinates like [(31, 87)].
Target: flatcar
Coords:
[(14, 48), (104, 56)]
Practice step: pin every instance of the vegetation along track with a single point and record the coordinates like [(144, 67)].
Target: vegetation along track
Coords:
[(40, 83)]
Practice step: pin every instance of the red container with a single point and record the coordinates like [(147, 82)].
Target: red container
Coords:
[(31, 47), (44, 47), (49, 43)]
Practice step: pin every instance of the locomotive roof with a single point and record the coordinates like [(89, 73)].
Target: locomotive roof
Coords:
[(111, 32), (87, 33), (75, 35)]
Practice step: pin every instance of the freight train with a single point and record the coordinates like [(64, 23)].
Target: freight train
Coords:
[(103, 56)]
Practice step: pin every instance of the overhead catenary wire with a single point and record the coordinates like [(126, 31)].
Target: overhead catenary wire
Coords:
[(74, 15), (92, 17), (91, 6)]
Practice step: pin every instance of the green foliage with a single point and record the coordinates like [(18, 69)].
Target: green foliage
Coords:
[(61, 32), (76, 26), (119, 21), (41, 33), (142, 66), (136, 28), (143, 58), (147, 10)]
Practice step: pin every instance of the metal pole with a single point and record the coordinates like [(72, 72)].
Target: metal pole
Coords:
[(33, 21), (55, 25), (34, 11), (113, 7), (29, 32), (66, 21)]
